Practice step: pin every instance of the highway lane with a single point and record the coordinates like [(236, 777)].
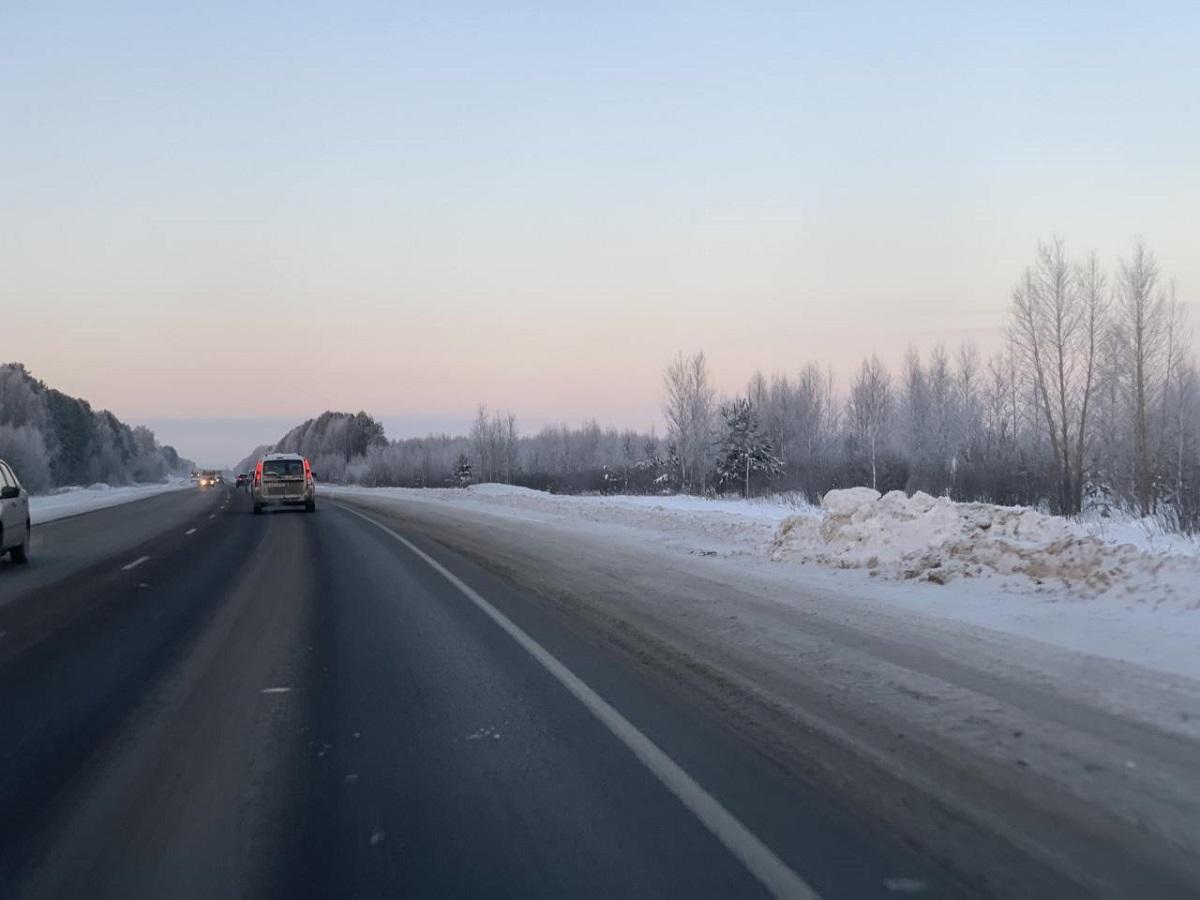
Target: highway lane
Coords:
[(67, 546), (304, 704), (1034, 771)]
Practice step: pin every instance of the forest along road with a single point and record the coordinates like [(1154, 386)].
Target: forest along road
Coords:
[(196, 702)]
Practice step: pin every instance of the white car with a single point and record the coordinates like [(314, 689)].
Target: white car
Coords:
[(14, 516)]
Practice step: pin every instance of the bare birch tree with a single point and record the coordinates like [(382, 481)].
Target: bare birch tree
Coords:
[(1093, 296), (1141, 329), (870, 411), (1054, 328), (688, 408), (1175, 394)]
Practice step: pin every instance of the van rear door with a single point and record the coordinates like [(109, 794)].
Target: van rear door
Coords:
[(283, 479)]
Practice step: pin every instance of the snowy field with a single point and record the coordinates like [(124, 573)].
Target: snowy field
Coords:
[(71, 501), (1119, 589)]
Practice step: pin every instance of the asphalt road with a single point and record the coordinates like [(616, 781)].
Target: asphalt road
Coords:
[(199, 702)]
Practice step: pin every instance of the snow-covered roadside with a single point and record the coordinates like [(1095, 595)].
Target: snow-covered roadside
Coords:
[(732, 526), (1147, 615), (71, 501)]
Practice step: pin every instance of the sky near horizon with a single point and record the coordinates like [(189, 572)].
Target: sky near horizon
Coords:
[(270, 209)]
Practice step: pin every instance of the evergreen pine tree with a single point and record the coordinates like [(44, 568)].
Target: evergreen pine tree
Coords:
[(462, 470), (744, 448)]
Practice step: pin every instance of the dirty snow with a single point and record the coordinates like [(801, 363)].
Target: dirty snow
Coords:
[(71, 501), (938, 540)]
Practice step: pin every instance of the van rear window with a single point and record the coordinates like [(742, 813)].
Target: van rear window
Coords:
[(283, 467)]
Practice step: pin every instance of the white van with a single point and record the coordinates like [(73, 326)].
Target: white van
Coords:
[(283, 479)]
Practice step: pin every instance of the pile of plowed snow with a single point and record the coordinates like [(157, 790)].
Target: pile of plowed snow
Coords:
[(936, 539)]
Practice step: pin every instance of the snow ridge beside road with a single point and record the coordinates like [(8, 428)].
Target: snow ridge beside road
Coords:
[(72, 501)]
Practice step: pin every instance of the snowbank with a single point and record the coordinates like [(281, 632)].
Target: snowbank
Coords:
[(491, 489), (936, 539), (71, 501)]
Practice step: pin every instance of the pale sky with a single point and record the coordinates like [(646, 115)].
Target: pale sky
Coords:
[(268, 209)]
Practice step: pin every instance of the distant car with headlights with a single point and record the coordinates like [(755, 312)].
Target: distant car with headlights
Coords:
[(210, 478), (283, 479), (15, 527)]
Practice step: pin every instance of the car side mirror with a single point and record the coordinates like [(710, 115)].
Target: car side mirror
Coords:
[(8, 492)]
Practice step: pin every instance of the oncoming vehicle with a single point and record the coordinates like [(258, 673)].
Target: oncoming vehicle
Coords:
[(14, 516), (210, 478), (283, 479)]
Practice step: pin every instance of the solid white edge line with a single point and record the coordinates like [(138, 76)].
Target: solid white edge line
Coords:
[(133, 565), (757, 857)]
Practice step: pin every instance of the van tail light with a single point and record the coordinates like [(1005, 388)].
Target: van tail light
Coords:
[(307, 472), (258, 472)]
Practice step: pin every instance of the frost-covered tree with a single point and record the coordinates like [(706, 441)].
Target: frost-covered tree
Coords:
[(688, 408), (1056, 324), (21, 401), (815, 415), (1142, 336), (968, 438), (915, 431), (462, 470), (870, 412), (24, 448), (1176, 400), (744, 449), (55, 439), (495, 443)]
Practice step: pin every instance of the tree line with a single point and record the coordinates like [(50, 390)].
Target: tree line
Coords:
[(346, 447), (1094, 401), (53, 439), (332, 442)]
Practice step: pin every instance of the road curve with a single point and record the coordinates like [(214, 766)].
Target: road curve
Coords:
[(200, 702)]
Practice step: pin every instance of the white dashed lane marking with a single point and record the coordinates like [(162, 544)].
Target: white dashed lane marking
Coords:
[(133, 565), (190, 531)]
